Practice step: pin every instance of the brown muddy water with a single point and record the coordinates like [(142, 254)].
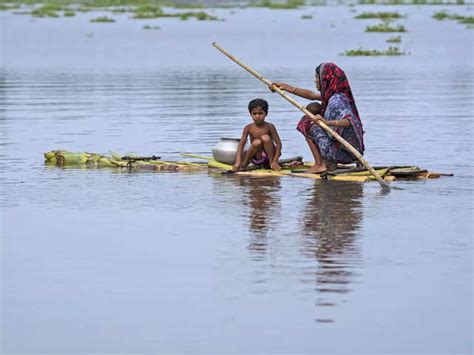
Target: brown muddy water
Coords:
[(101, 261)]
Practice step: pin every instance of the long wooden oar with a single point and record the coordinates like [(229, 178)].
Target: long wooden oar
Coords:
[(328, 129)]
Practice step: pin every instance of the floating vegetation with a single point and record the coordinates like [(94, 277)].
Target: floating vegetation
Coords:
[(395, 39), (379, 15), (148, 11), (444, 15), (4, 7), (47, 10), (201, 16), (469, 20), (390, 51), (121, 10), (385, 26), (306, 17), (148, 27), (104, 19), (154, 11), (69, 13), (290, 4), (188, 6)]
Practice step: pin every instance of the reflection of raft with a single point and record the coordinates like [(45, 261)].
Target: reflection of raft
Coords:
[(342, 173)]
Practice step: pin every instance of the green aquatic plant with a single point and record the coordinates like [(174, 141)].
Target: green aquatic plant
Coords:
[(47, 10), (390, 51), (306, 17), (385, 26), (290, 4), (200, 16), (443, 15), (148, 27), (148, 11), (10, 6), (104, 19), (121, 10), (395, 39), (379, 15), (469, 20), (69, 13), (187, 6)]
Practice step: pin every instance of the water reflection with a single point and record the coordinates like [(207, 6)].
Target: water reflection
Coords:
[(263, 199), (331, 220)]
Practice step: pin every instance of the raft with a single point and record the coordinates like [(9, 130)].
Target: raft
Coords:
[(63, 158), (342, 173)]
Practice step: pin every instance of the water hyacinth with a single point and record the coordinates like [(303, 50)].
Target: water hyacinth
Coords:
[(395, 39), (148, 11), (47, 10), (379, 15), (385, 26), (103, 19), (390, 51)]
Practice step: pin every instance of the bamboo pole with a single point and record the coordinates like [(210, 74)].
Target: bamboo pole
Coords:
[(324, 126)]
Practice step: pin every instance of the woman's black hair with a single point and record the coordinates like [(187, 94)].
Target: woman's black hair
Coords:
[(318, 69), (258, 103)]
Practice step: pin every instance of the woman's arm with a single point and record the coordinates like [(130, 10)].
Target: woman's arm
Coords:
[(334, 123), (305, 93)]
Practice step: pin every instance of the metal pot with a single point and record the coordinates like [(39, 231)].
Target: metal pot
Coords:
[(225, 151)]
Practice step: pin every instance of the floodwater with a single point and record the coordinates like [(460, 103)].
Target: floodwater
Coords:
[(104, 261)]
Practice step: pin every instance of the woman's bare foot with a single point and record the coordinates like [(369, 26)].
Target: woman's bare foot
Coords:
[(318, 169)]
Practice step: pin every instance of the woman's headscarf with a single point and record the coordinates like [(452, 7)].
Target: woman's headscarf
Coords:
[(333, 80)]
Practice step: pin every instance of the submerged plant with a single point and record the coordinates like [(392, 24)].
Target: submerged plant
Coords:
[(390, 51), (379, 15), (306, 17), (395, 39), (102, 19), (385, 26)]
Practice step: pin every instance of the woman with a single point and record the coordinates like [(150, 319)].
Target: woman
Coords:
[(339, 111)]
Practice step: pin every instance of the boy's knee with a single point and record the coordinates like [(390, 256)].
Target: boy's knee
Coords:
[(266, 138), (257, 143)]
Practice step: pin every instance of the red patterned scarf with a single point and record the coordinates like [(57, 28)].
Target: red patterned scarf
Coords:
[(333, 80)]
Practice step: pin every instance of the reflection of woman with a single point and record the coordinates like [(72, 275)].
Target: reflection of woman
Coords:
[(339, 111), (332, 217)]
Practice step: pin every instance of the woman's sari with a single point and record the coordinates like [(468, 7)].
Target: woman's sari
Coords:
[(337, 103)]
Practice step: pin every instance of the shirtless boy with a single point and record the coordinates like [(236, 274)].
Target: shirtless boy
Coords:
[(265, 148)]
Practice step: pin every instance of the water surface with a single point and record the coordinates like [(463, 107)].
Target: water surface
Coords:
[(107, 261)]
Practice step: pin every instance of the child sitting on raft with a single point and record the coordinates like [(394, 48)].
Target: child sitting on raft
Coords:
[(265, 148)]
